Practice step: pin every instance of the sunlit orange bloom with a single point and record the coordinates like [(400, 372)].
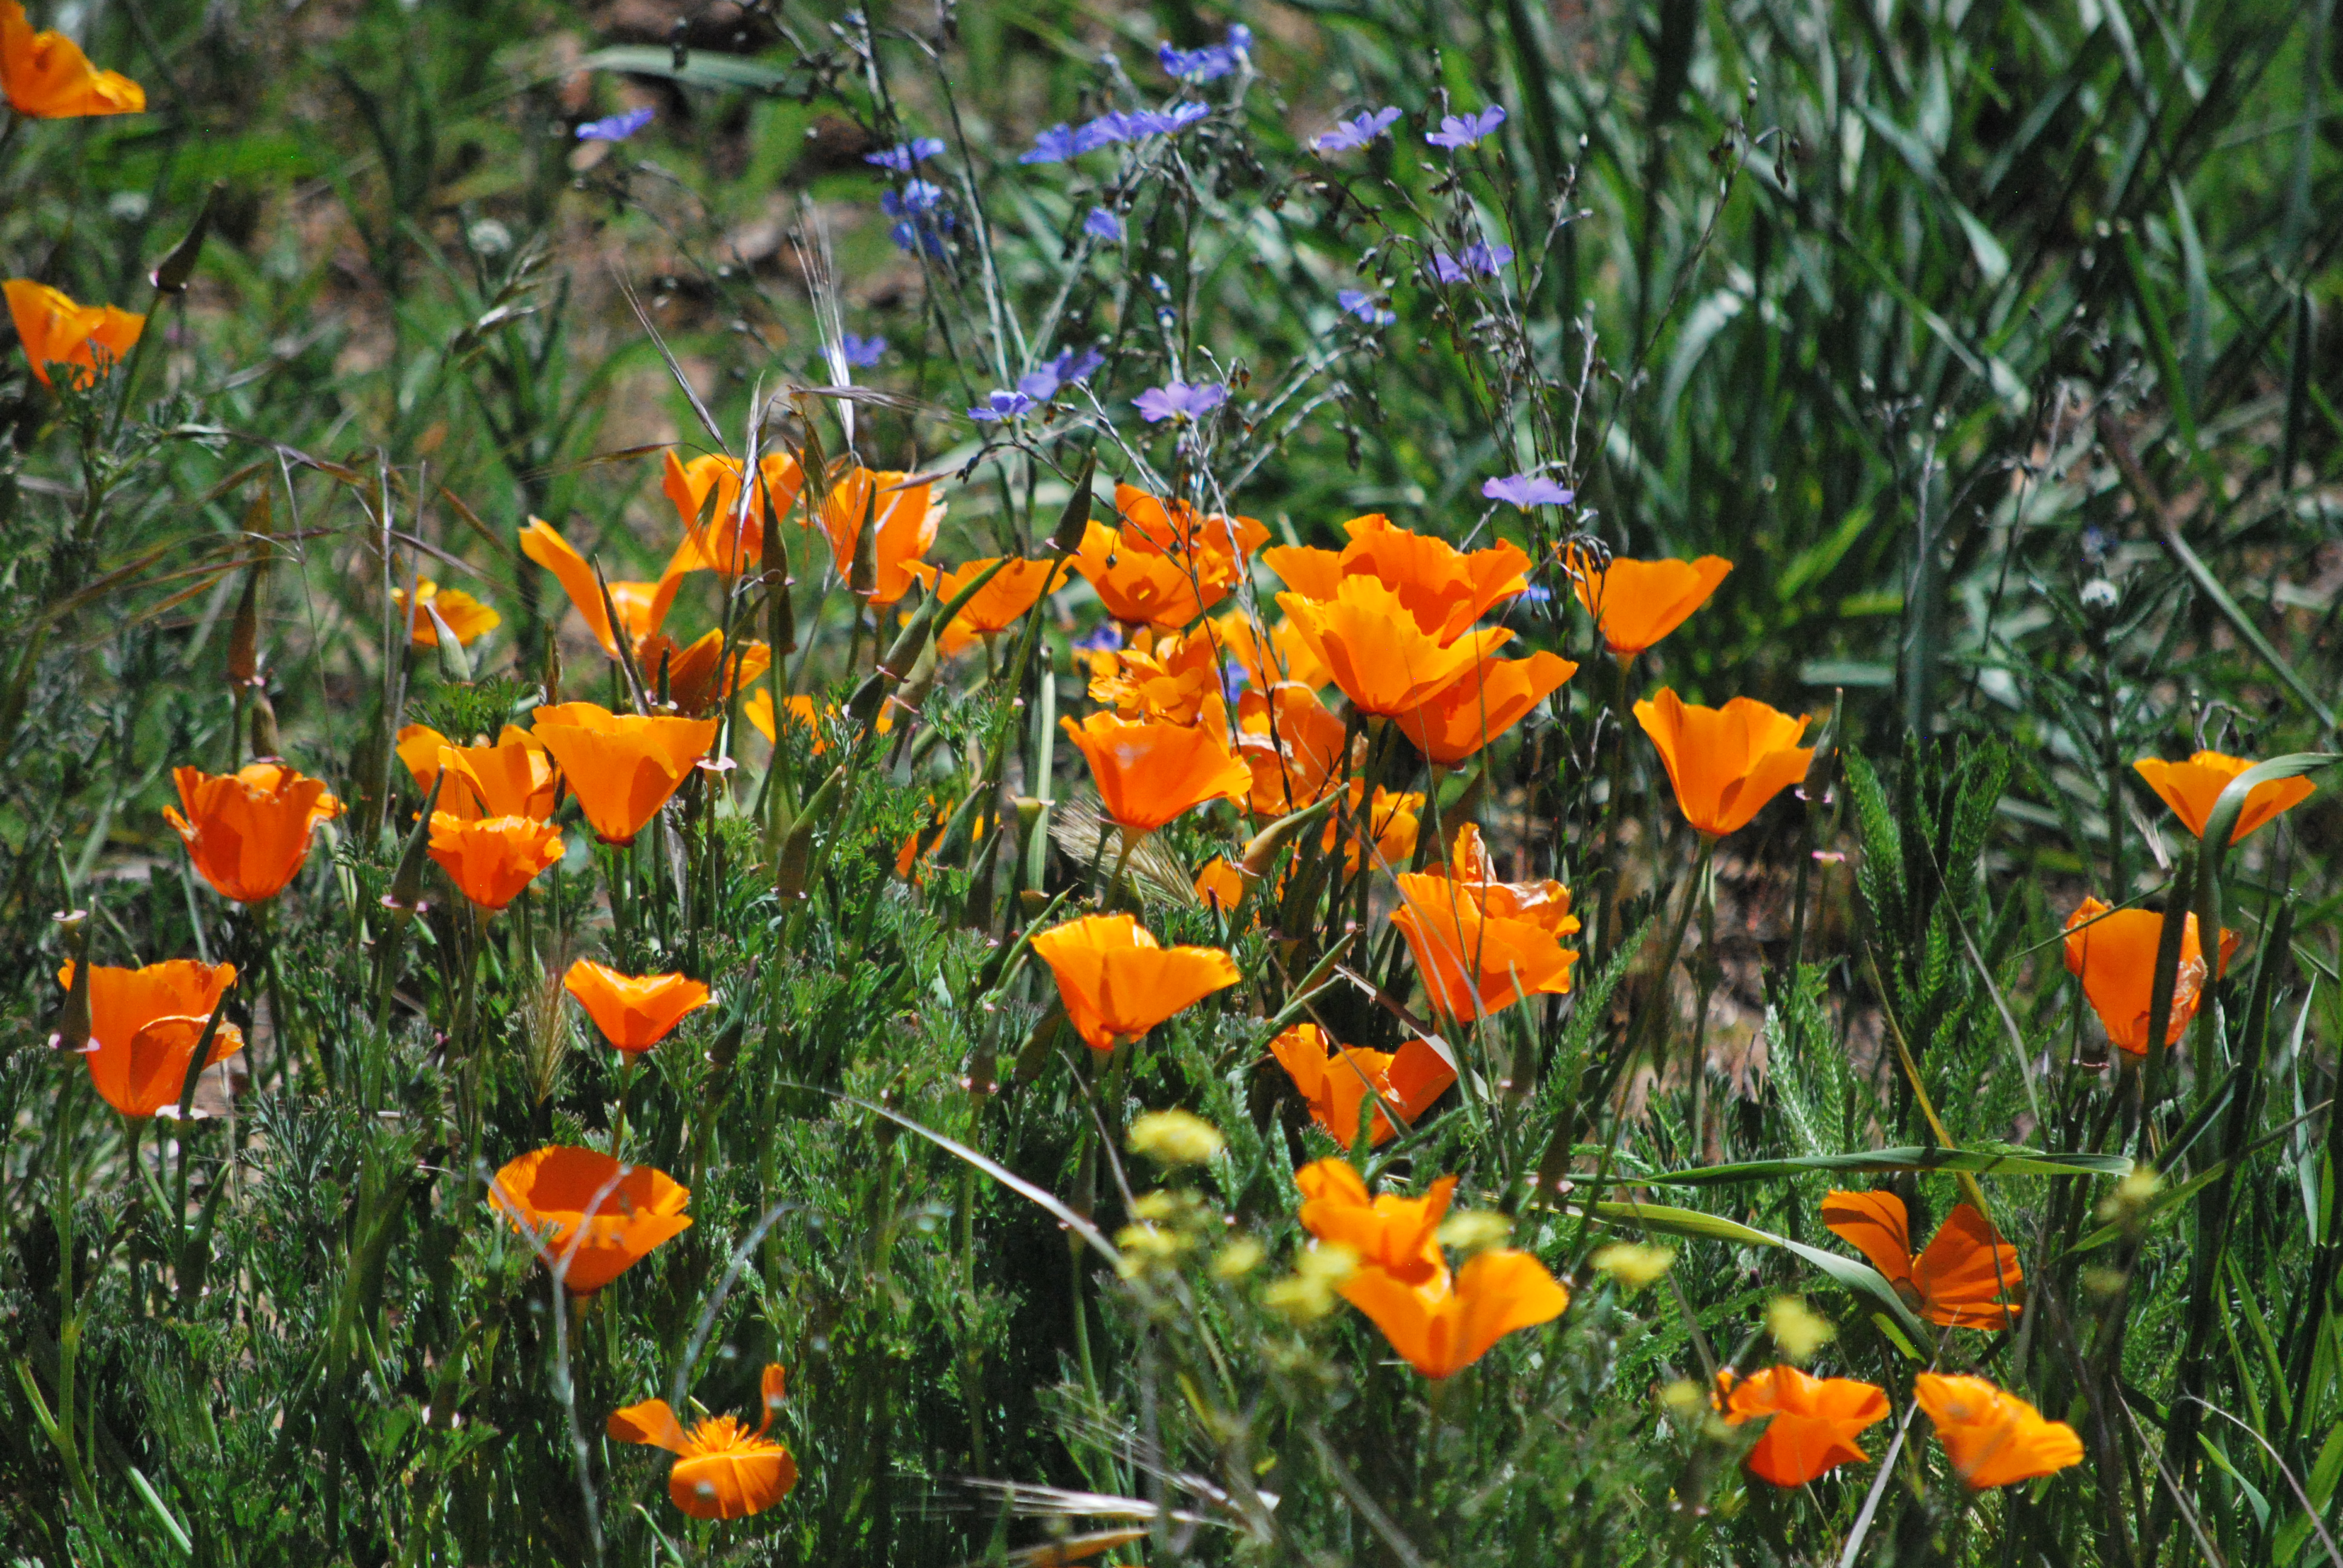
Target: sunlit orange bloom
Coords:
[(249, 831), (703, 675), (906, 516), (1993, 1437), (1445, 589), (467, 616), (1636, 603), (1175, 528), (1391, 826), (1489, 700), (1961, 1280), (997, 606), (802, 712), (1291, 743), (722, 1469), (1220, 885), (1482, 945), (1164, 675), (615, 1215), (2191, 788), (145, 1025), (2114, 954), (513, 777), (1283, 656), (1384, 661), (1145, 588), (1148, 773), (634, 1012), (1335, 1086), (1811, 1424), (1117, 983), (1444, 1325), (46, 76), (728, 543), (491, 859), (1387, 1233), (622, 767), (642, 606), (1724, 763), (88, 340)]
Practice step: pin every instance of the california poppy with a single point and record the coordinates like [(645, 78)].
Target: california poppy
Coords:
[(642, 606), (1158, 674), (467, 616), (2114, 954), (728, 543), (46, 76), (513, 777), (1811, 1424), (1387, 1233), (1272, 659), (88, 340), (1117, 983), (1336, 1086), (491, 859), (1175, 528), (1993, 1437), (1443, 590), (802, 712), (905, 517), (145, 1025), (722, 1469), (2191, 788), (615, 1215), (996, 606), (703, 675), (634, 1012), (1482, 945), (1445, 1325), (1148, 773), (1291, 744), (1382, 660), (622, 767), (1146, 587), (1220, 885), (1489, 700), (1960, 1280), (1724, 763), (1636, 603), (1391, 825), (249, 831)]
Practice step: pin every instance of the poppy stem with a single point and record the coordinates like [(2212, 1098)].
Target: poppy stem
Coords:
[(1655, 1007), (1614, 805), (1115, 882), (619, 1122), (1705, 982)]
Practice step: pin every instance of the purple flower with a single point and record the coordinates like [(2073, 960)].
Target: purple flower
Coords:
[(1103, 225), (1479, 259), (1527, 490), (999, 406), (1206, 64), (901, 158), (860, 351), (1463, 130), (1076, 365), (1534, 594), (922, 216), (1350, 134), (1358, 302), (1178, 117), (1179, 400), (917, 199), (617, 128), (1054, 146), (1104, 638), (1233, 680)]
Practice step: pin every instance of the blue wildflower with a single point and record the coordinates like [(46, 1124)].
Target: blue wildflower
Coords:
[(1178, 117), (1104, 638), (1054, 146), (860, 351), (1103, 225), (1478, 259), (901, 158), (1348, 135), (1463, 130), (1209, 64), (1527, 490), (1000, 406), (617, 128), (1076, 365), (1358, 302), (1233, 680), (1179, 400)]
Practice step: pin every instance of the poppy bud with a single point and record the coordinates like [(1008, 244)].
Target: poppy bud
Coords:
[(781, 617), (177, 269), (264, 742), (797, 850), (406, 895), (244, 634), (73, 1023), (1261, 852), (1067, 538), (455, 662)]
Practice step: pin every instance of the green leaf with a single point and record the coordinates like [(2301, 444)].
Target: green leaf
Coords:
[(1980, 1162), (699, 67), (2221, 821)]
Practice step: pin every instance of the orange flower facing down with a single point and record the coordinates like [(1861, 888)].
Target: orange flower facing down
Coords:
[(997, 606), (1146, 587), (491, 859), (1444, 1325), (1148, 773), (467, 616), (905, 515), (249, 831), (1220, 885), (1482, 945), (1454, 726), (613, 1215), (1811, 1424), (1382, 660), (1961, 1280), (622, 767), (2114, 955), (728, 543), (1175, 528), (46, 76), (145, 1025), (1636, 603), (2191, 788), (1993, 1437), (1387, 1233), (1724, 763), (1337, 1086), (642, 606), (722, 1469), (1291, 744), (634, 1012), (88, 340), (1117, 983), (700, 677)]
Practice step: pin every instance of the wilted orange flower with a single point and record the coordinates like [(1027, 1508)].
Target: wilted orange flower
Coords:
[(722, 1470), (1636, 603), (57, 331), (1482, 945), (1175, 528), (467, 616), (727, 544), (46, 76), (1381, 658), (702, 676), (642, 606), (249, 831), (1443, 588), (1141, 586), (145, 1025), (1335, 1086), (1960, 1280), (491, 859), (1391, 826), (1993, 1437), (2114, 954), (1724, 763), (634, 1012), (1277, 658), (615, 1215), (622, 767), (2191, 788), (1489, 700), (1811, 1424), (997, 606), (1164, 675), (1148, 773), (1387, 1233), (1291, 744), (1117, 983), (906, 517), (1220, 885)]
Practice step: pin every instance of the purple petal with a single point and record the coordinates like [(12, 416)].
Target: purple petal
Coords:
[(617, 128)]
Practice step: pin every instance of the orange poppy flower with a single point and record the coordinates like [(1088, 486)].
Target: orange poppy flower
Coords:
[(905, 515), (1117, 983), (1389, 1235), (491, 859), (722, 1470), (614, 1215), (728, 544), (1489, 700), (1993, 1437), (57, 331), (1220, 885), (46, 76), (702, 676), (145, 1025), (622, 767), (1164, 675), (513, 777), (1381, 658), (1175, 528), (1443, 588), (1445, 1325), (642, 606), (2191, 788), (1960, 1280), (1146, 587), (1392, 825), (1636, 603), (467, 616), (2114, 955), (634, 1012), (1293, 746), (1276, 658), (249, 831), (1482, 945), (1811, 1424), (1148, 773), (802, 712), (997, 606), (1335, 1086), (1724, 763)]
